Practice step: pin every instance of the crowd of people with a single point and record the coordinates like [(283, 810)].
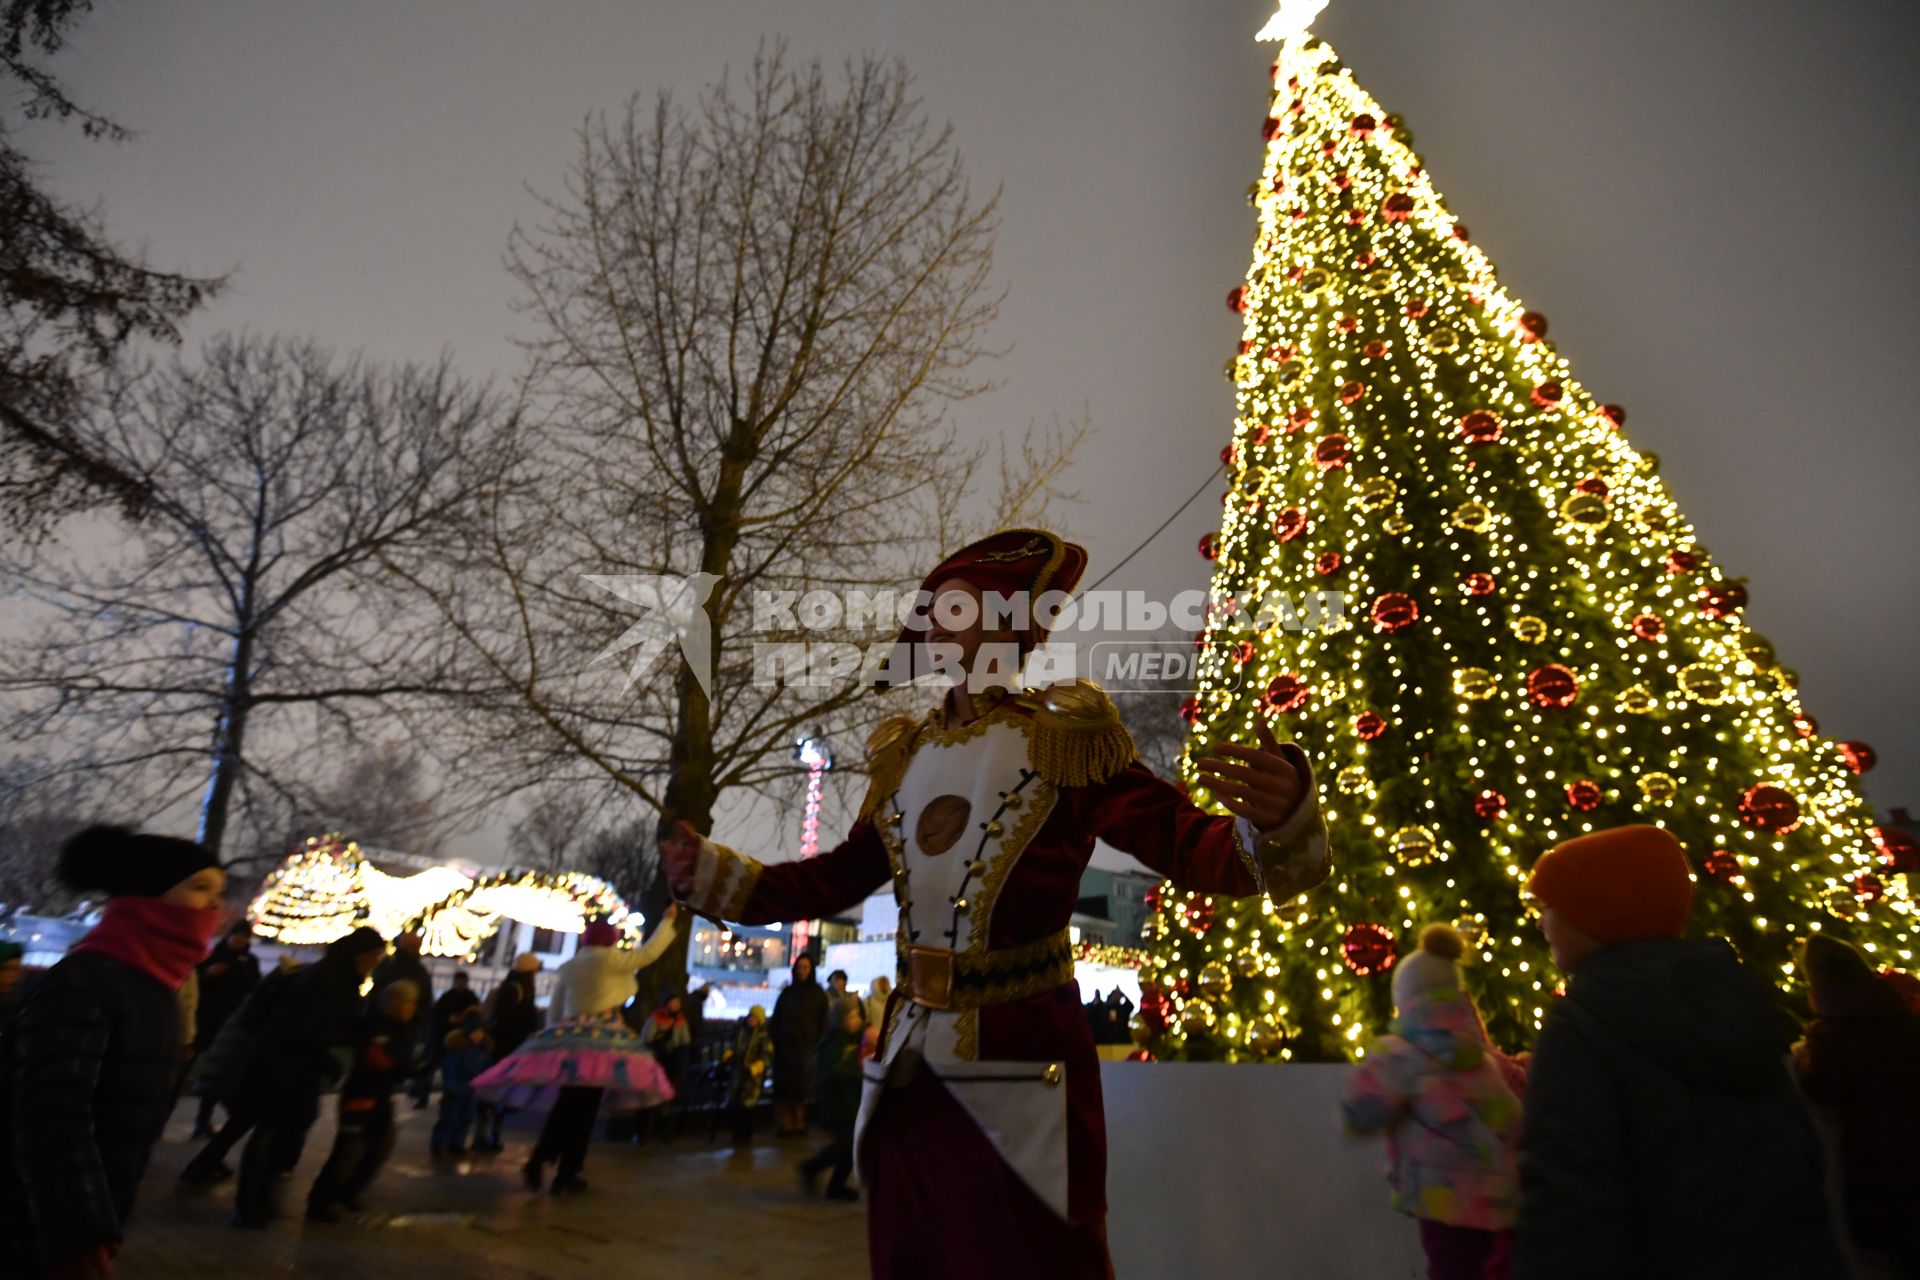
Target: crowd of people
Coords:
[(1656, 1127)]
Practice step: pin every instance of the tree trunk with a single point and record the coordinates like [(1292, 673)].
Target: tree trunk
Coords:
[(229, 737)]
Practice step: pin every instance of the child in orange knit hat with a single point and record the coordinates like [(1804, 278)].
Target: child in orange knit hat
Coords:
[(1663, 1133)]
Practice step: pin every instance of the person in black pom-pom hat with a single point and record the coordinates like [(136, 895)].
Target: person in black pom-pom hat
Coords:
[(981, 1137), (92, 1056)]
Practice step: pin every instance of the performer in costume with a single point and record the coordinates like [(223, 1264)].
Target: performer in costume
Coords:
[(587, 1055), (982, 1142)]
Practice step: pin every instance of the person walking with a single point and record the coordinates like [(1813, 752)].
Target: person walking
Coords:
[(587, 1053), (94, 1048), (292, 1060), (466, 1053), (383, 1055), (405, 965), (226, 977), (512, 1017), (669, 1038), (216, 1074), (799, 1020), (839, 1107), (751, 1056)]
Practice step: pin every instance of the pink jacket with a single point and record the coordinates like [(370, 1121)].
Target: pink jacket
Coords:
[(1449, 1104)]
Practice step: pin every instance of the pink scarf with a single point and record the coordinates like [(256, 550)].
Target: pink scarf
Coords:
[(161, 939)]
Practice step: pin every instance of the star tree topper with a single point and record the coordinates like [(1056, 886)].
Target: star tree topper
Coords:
[(1291, 19)]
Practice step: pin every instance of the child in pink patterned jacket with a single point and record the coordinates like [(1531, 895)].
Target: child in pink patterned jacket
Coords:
[(1449, 1103)]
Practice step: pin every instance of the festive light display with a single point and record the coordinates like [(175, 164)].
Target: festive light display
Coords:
[(329, 889), (1535, 645)]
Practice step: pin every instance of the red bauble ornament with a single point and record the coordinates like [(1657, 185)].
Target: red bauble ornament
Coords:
[(1190, 710), (1460, 232), (1287, 693), (1332, 452), (1199, 915), (1552, 686), (1805, 725), (1342, 180), (1868, 887), (1363, 124), (1301, 416), (1365, 260), (1594, 485), (1722, 599), (1270, 128), (1648, 626), (1478, 584), (1260, 435), (1368, 949), (1682, 561), (1374, 350), (1615, 415), (1237, 299), (1228, 456), (1356, 216), (1721, 866), (1898, 849), (1346, 324), (1482, 426), (1290, 524), (1243, 652), (1533, 326), (1548, 395), (1769, 808), (1207, 548), (1369, 725), (1352, 392), (1416, 308), (1397, 207), (1858, 756), (1328, 564), (1585, 796), (1490, 805), (1394, 612)]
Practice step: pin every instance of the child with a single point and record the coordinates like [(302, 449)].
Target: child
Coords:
[(464, 1054), (1663, 1134), (382, 1061), (1446, 1100), (839, 1083), (1860, 1062), (752, 1054)]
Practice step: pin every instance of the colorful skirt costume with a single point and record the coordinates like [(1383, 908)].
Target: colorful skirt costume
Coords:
[(594, 1052)]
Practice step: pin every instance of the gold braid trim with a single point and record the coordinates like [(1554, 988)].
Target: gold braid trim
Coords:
[(888, 749), (1077, 740)]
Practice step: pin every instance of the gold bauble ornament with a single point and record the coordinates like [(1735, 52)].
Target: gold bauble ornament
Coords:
[(1396, 524), (1215, 980), (1528, 629), (1841, 902), (1374, 493), (1587, 511), (1758, 650), (1289, 375), (1413, 845), (1475, 684), (1647, 463), (1789, 678), (1196, 1018), (1704, 684), (1352, 779), (1472, 516), (1659, 788), (1636, 700), (1441, 341), (1377, 282)]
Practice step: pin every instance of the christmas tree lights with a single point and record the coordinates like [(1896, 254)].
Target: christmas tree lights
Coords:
[(328, 889), (1534, 643)]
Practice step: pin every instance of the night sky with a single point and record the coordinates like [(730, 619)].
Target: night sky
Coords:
[(1713, 201)]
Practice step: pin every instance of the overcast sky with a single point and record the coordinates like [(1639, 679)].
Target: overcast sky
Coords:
[(1712, 199)]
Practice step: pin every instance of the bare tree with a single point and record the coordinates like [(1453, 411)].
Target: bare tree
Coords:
[(70, 302), (247, 623), (41, 804), (383, 795), (554, 833), (750, 319)]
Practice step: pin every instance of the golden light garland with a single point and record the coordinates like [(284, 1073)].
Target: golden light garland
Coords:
[(1544, 646)]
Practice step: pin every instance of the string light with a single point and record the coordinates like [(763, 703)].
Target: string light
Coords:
[(1535, 644)]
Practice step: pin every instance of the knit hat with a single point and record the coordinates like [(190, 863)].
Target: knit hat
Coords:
[(759, 1011), (121, 862), (1841, 983), (526, 962), (1619, 885), (356, 944), (600, 934), (1431, 967)]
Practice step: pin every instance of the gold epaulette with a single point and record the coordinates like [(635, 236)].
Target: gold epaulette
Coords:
[(888, 747), (1077, 739)]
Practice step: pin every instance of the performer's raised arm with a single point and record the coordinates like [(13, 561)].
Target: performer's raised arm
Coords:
[(718, 882)]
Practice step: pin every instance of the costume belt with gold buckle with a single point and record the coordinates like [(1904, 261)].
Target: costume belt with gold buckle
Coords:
[(941, 979)]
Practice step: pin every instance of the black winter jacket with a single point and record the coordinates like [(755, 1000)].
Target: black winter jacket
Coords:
[(293, 1055), (222, 993), (91, 1057), (1664, 1135)]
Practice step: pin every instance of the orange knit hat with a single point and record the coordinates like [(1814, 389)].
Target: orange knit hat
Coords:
[(1618, 885)]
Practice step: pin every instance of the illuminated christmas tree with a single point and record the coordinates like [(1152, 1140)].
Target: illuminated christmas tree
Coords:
[(1534, 643)]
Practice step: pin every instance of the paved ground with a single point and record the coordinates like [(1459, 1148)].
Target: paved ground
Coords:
[(691, 1208)]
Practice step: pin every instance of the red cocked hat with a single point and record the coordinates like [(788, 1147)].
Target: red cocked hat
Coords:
[(1007, 563)]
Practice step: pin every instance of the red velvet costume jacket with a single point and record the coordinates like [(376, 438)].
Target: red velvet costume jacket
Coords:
[(984, 830)]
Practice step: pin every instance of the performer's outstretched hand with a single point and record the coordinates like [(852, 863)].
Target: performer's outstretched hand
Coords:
[(680, 853), (1256, 783)]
